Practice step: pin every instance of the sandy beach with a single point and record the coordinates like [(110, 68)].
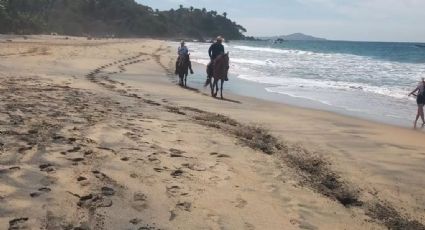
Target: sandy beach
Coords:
[(95, 134)]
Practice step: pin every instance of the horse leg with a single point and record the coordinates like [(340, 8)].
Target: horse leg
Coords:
[(185, 80), (212, 87), (181, 76), (221, 90), (216, 87)]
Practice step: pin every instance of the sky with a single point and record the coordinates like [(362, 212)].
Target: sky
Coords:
[(354, 20)]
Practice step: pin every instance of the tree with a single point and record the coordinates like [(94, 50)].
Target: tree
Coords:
[(4, 17), (191, 9), (225, 14)]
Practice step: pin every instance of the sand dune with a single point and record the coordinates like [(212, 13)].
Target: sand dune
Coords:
[(94, 135)]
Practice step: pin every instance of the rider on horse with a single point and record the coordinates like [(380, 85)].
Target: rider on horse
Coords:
[(214, 51), (183, 51)]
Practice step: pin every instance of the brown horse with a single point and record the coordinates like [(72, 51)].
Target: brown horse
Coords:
[(219, 71), (182, 68)]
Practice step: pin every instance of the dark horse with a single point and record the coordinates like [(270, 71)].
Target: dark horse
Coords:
[(182, 68), (219, 72)]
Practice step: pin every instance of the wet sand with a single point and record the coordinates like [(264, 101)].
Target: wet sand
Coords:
[(96, 135)]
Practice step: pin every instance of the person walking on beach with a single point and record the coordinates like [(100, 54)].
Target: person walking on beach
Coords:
[(419, 92), (181, 52), (214, 51)]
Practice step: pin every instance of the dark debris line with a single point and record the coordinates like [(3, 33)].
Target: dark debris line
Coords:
[(314, 170)]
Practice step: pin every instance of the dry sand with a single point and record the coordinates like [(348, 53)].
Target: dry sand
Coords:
[(96, 135)]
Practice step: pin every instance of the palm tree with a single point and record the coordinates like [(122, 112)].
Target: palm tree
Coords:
[(191, 8), (225, 14), (181, 6)]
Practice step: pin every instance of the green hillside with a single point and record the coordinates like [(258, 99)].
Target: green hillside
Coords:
[(120, 18)]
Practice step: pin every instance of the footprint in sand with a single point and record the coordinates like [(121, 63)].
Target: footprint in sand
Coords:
[(100, 175), (215, 179), (295, 222), (219, 155), (40, 192), (177, 173), (173, 190), (249, 226), (195, 166), (48, 181), (240, 203), (24, 149), (19, 223), (139, 201), (269, 187), (94, 201), (75, 149), (180, 206), (184, 205), (88, 153), (107, 191), (216, 219), (159, 169), (76, 159), (47, 168), (10, 170), (154, 159), (176, 153), (135, 221), (81, 178), (125, 159)]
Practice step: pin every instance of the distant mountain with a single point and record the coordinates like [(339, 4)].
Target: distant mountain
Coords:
[(297, 37)]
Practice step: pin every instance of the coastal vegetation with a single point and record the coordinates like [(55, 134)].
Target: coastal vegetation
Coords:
[(113, 18)]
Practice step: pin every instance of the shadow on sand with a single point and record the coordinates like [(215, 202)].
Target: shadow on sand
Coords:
[(208, 95)]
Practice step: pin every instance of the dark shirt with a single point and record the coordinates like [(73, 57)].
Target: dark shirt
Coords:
[(215, 50)]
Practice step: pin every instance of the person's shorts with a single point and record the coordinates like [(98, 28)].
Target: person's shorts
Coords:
[(420, 99)]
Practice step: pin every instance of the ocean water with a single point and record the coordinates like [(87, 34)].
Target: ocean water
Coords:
[(364, 79)]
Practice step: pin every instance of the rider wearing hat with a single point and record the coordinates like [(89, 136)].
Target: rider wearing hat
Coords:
[(216, 48), (214, 51)]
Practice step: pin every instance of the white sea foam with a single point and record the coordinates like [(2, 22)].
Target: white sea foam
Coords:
[(273, 50), (336, 79), (283, 84), (201, 61)]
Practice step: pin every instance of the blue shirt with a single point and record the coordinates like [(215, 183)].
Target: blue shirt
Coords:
[(183, 50)]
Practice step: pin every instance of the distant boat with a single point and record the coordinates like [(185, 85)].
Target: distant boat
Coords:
[(420, 45)]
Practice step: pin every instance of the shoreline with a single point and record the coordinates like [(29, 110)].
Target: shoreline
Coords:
[(167, 157), (297, 102)]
